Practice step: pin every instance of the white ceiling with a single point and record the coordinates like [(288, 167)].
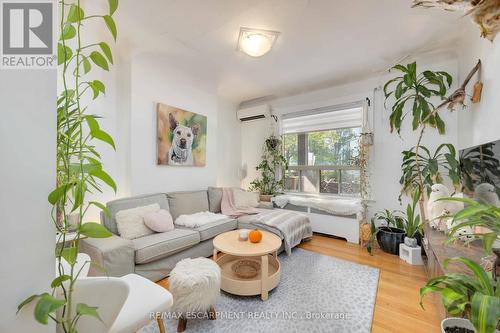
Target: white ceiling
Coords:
[(322, 42)]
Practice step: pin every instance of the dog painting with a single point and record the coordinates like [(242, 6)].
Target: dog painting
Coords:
[(181, 137)]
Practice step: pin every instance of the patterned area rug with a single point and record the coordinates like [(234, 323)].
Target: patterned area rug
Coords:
[(317, 293)]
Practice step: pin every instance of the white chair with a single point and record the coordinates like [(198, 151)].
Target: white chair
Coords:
[(124, 304), (107, 294), (145, 301)]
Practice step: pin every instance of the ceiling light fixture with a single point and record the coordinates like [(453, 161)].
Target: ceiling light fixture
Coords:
[(256, 42)]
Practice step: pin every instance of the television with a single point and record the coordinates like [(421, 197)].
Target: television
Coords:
[(480, 172)]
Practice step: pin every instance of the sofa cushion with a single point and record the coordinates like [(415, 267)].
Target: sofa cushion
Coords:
[(243, 199), (130, 222), (212, 229), (187, 203), (160, 221), (132, 202), (215, 199), (156, 246)]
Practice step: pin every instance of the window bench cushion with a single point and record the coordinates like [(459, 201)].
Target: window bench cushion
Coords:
[(157, 246)]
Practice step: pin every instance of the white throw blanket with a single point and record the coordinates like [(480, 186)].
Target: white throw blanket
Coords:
[(198, 219), (339, 206)]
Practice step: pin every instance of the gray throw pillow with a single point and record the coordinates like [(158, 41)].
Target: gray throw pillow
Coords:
[(215, 199)]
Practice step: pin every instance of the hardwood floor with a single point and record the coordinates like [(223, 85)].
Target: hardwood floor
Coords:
[(397, 306)]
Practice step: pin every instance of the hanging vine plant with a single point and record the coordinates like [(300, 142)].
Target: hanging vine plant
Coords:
[(79, 167), (272, 166)]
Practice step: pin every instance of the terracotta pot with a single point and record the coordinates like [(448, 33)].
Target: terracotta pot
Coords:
[(266, 197)]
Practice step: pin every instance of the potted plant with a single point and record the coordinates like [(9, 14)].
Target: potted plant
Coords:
[(271, 167), (399, 227), (476, 297), (388, 235), (412, 224)]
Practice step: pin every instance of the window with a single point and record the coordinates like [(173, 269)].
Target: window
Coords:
[(321, 150)]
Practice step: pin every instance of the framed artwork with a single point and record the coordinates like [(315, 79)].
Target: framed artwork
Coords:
[(181, 137)]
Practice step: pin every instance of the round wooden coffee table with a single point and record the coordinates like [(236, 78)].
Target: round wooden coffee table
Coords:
[(235, 250)]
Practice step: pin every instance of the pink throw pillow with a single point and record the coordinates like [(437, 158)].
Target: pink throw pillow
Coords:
[(160, 221)]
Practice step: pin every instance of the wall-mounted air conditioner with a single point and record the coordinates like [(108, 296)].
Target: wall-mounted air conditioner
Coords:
[(254, 112)]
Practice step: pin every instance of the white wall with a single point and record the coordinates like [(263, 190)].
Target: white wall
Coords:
[(156, 79), (27, 175), (228, 148), (480, 122), (386, 156), (253, 135)]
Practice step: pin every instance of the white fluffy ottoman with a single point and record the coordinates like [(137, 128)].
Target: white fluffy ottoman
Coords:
[(195, 286)]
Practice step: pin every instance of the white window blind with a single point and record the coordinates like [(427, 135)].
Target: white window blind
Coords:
[(325, 118)]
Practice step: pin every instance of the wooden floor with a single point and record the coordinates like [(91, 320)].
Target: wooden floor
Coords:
[(397, 306)]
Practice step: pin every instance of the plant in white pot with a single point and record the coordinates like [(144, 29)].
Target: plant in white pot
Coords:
[(476, 297)]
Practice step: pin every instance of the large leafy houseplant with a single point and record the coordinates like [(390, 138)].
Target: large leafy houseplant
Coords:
[(272, 166), (79, 167), (476, 297), (413, 93), (429, 166)]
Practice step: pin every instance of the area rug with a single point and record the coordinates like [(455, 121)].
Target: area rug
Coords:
[(317, 293)]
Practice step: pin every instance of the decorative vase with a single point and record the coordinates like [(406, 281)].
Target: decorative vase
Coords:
[(411, 242), (389, 239)]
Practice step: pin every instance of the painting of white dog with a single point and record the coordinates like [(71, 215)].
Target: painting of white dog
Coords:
[(181, 137)]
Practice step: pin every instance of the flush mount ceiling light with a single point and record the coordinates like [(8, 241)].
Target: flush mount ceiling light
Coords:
[(256, 42)]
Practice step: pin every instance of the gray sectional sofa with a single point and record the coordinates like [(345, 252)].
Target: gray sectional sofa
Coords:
[(154, 256)]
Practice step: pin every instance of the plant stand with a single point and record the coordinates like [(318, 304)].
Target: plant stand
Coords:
[(412, 255)]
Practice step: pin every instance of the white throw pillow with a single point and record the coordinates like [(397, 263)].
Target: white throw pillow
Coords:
[(160, 221), (130, 222), (244, 199)]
